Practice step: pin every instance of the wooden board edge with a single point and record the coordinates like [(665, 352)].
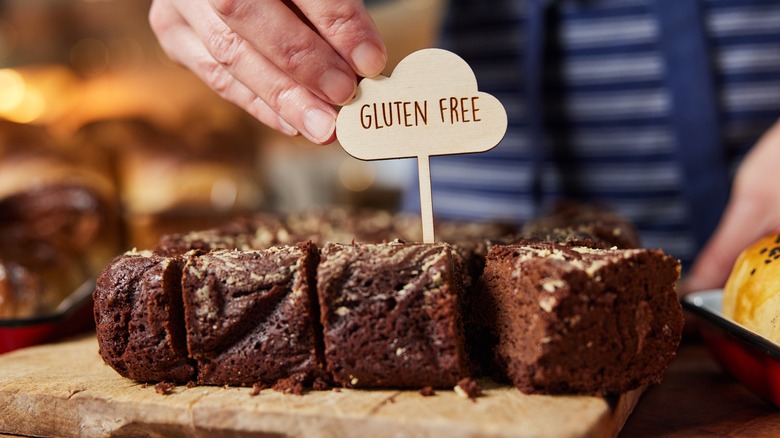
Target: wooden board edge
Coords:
[(612, 423)]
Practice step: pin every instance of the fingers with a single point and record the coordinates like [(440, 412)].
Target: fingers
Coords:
[(752, 213), (736, 231), (264, 56), (230, 66), (349, 29), (278, 34), (183, 46)]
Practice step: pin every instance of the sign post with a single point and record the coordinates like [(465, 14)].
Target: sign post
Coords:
[(430, 106)]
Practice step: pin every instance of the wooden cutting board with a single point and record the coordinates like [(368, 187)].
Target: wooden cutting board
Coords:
[(66, 390)]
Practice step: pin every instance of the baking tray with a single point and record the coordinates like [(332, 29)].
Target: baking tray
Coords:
[(74, 315), (751, 358)]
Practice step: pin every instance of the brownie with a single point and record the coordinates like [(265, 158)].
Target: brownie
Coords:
[(258, 231), (252, 316), (408, 227), (464, 231), (138, 316), (342, 225), (578, 320), (581, 235), (391, 314), (575, 224)]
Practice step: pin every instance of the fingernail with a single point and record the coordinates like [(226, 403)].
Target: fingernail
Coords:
[(319, 125), (369, 60), (287, 128), (337, 86)]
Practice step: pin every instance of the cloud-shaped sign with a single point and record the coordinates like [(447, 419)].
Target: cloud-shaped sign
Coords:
[(430, 106)]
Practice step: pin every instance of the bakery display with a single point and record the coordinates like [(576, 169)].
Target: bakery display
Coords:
[(391, 314), (172, 182), (581, 320), (751, 295), (252, 317), (59, 218), (191, 175)]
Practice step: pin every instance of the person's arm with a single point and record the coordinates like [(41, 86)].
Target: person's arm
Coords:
[(752, 212), (284, 62)]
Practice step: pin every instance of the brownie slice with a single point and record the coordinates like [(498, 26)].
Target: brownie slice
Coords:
[(252, 316), (259, 231), (341, 225), (575, 224), (138, 316), (581, 320), (464, 231), (571, 236), (391, 314)]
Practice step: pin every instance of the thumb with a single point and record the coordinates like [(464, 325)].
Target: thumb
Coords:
[(737, 230), (752, 212)]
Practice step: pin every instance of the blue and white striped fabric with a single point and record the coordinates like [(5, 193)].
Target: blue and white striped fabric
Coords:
[(615, 121)]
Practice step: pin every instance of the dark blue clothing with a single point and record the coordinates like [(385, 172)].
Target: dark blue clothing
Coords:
[(644, 106)]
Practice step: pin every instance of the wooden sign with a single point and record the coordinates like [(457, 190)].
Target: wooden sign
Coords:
[(430, 106)]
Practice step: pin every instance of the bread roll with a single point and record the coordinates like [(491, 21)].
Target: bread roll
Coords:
[(751, 296)]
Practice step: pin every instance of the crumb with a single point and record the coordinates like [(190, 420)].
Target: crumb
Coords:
[(336, 389), (468, 388), (164, 388), (320, 384), (427, 391), (257, 388), (290, 385), (144, 385), (191, 384)]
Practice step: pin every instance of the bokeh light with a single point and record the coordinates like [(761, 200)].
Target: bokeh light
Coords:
[(356, 175), (89, 57), (12, 88)]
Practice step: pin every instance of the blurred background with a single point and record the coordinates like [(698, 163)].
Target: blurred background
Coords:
[(92, 69), (105, 144)]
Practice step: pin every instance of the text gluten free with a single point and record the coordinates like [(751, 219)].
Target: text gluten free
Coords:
[(452, 110)]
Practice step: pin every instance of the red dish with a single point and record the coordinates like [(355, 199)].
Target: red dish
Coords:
[(751, 358), (74, 315)]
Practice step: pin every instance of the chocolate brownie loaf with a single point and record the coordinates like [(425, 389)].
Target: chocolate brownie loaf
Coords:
[(582, 320), (252, 316), (391, 314), (138, 316)]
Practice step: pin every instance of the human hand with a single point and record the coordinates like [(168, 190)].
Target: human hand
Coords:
[(284, 63), (752, 212)]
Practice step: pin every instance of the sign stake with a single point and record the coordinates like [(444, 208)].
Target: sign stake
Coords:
[(426, 199), (432, 99)]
